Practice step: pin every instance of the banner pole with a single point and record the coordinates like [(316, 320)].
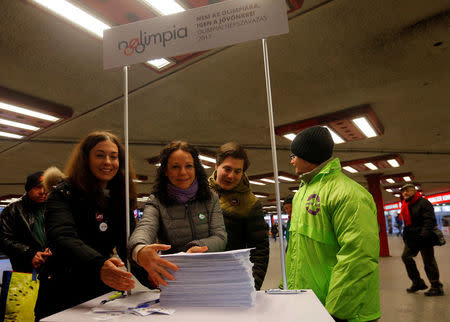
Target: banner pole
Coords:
[(127, 168), (274, 157)]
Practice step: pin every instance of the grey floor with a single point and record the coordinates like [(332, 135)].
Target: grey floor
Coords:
[(396, 304)]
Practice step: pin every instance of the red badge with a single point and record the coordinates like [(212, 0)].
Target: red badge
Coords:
[(98, 216)]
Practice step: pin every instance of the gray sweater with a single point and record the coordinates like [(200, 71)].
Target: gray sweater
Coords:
[(181, 225)]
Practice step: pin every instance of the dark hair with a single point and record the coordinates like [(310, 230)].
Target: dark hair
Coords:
[(160, 187), (234, 150), (79, 173)]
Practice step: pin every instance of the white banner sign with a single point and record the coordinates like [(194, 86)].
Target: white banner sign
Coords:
[(203, 28)]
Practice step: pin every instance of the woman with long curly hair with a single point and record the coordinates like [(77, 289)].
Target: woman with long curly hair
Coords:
[(181, 215), (85, 221)]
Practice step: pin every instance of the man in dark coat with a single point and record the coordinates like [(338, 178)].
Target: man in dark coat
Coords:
[(22, 236), (242, 211), (419, 220)]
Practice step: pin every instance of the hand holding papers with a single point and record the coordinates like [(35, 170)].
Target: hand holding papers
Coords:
[(210, 279), (154, 265)]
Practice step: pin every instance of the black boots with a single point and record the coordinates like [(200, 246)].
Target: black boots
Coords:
[(417, 286), (435, 290)]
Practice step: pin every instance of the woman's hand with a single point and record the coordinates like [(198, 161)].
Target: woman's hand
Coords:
[(154, 265), (114, 277), (197, 249)]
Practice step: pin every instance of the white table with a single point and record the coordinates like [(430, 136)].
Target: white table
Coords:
[(302, 307)]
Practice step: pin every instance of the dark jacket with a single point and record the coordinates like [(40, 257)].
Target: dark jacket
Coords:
[(82, 235), (16, 236), (419, 234), (245, 224)]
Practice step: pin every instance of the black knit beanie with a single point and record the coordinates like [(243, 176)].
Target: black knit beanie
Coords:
[(314, 145), (33, 180)]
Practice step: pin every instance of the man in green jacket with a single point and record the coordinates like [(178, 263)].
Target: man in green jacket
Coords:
[(334, 245), (242, 211)]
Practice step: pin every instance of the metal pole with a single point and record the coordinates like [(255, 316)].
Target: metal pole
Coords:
[(127, 169), (274, 157)]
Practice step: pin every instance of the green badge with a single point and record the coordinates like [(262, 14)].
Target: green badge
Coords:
[(201, 216)]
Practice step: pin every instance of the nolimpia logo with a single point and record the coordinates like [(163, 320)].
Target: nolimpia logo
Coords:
[(139, 44)]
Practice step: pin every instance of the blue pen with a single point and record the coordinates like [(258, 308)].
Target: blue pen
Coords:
[(147, 304)]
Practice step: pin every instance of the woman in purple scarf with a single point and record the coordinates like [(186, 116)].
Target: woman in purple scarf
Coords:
[(181, 215)]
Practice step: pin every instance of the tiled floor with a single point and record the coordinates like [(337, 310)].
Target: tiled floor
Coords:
[(396, 304)]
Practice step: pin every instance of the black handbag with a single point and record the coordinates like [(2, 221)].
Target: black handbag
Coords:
[(439, 239)]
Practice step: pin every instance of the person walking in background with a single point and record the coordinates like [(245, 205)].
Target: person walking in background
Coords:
[(22, 233), (242, 211), (287, 205), (418, 216), (333, 239), (85, 221), (181, 215), (274, 231)]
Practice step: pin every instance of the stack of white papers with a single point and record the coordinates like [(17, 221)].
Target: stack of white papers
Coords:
[(210, 279)]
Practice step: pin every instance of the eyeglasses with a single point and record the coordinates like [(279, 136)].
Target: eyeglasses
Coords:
[(291, 156)]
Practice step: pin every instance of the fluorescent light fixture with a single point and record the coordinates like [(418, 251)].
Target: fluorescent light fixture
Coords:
[(257, 183), (286, 178), (206, 166), (205, 158), (165, 7), (390, 180), (371, 166), (290, 136), (137, 181), (10, 200), (350, 169), (394, 163), (24, 111), (417, 187), (158, 164), (143, 199), (407, 178), (365, 127), (397, 195), (295, 190), (336, 138), (19, 125), (267, 180), (158, 63), (75, 15), (260, 196), (389, 190), (10, 135)]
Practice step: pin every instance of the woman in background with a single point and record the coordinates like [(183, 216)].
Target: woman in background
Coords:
[(85, 221), (181, 215)]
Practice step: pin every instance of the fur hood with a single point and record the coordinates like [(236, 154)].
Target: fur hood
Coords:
[(52, 176)]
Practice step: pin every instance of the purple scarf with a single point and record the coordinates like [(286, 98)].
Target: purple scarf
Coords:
[(182, 195)]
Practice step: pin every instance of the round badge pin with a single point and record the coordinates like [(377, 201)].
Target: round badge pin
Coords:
[(103, 226), (201, 216)]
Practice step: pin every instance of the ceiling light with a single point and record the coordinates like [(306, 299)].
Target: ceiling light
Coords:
[(24, 111), (257, 183), (137, 181), (393, 163), (295, 190), (389, 190), (142, 199), (10, 135), (260, 196), (371, 166), (267, 180), (397, 195), (205, 166), (407, 178), (75, 15), (19, 125), (158, 63), (390, 180), (158, 164), (350, 169), (417, 187), (336, 138), (165, 7), (290, 136), (205, 158), (364, 126), (286, 178)]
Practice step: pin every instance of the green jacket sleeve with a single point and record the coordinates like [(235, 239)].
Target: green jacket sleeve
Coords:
[(354, 278)]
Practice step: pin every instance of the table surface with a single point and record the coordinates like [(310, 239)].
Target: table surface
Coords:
[(302, 307)]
